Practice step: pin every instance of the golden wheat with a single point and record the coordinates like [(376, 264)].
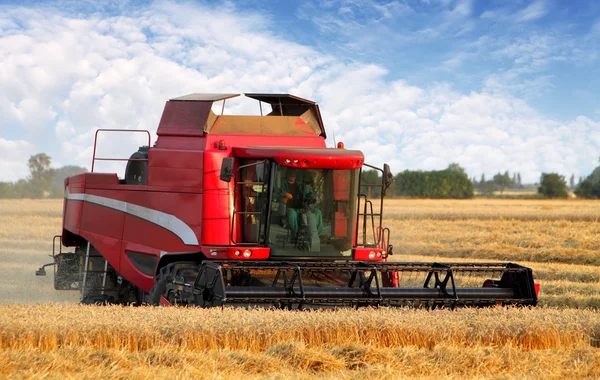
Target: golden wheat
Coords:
[(558, 239), (120, 341), (132, 329), (26, 231), (296, 361), (562, 252), (573, 242)]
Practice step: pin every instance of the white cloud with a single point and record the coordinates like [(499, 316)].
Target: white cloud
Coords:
[(77, 75), (461, 9), (13, 159), (506, 13), (529, 59), (534, 11), (482, 132)]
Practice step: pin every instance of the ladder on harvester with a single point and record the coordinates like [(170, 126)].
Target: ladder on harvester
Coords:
[(368, 213), (94, 281)]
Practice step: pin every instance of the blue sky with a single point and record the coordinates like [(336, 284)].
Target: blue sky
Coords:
[(492, 85)]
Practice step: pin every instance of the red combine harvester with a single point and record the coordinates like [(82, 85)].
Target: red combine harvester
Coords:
[(251, 210)]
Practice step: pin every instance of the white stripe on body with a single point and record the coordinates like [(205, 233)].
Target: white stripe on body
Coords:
[(162, 219)]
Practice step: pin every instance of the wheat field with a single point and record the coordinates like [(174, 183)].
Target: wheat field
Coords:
[(71, 340), (44, 333), (558, 239)]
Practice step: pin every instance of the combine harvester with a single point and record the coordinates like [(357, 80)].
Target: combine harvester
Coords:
[(251, 210)]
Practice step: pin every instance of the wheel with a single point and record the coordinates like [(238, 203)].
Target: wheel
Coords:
[(175, 293), (100, 300), (129, 295), (141, 297)]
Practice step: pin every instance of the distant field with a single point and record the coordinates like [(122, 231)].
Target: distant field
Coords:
[(26, 231), (521, 209), (512, 192), (524, 193), (516, 192), (558, 239)]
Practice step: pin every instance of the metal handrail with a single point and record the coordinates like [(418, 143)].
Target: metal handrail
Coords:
[(94, 158), (365, 213)]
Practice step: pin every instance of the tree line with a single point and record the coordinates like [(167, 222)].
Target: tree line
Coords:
[(590, 186), (42, 182), (499, 182), (452, 182)]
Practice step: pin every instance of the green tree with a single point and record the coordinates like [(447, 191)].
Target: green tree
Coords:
[(590, 186), (452, 182), (5, 189), (41, 174), (43, 181), (39, 165), (588, 189), (487, 188), (23, 189), (553, 185), (370, 177), (572, 181), (454, 167), (502, 181), (595, 176), (61, 174)]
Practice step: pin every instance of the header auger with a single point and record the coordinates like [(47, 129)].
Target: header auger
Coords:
[(251, 210)]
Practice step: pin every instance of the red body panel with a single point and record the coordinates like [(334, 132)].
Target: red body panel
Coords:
[(182, 167), (184, 207), (218, 200)]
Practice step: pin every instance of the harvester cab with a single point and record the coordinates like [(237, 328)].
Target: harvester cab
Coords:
[(295, 212), (253, 210)]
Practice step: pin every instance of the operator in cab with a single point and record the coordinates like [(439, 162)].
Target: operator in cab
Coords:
[(298, 198)]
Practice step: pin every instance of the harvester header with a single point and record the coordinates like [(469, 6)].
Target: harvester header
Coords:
[(253, 210)]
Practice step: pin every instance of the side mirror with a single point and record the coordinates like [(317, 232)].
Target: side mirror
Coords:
[(227, 169), (388, 177)]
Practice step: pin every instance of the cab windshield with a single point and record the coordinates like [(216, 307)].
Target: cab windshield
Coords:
[(299, 212), (313, 212)]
